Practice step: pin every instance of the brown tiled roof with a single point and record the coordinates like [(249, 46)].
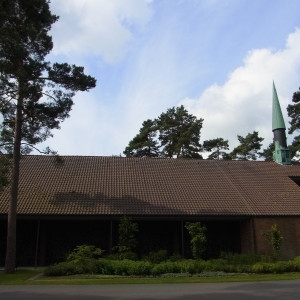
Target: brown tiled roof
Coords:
[(85, 185)]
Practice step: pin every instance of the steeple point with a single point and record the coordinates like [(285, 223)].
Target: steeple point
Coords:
[(282, 154), (277, 118)]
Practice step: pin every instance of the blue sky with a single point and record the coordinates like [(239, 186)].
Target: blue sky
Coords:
[(216, 57)]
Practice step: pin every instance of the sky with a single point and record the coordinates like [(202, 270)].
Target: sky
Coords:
[(218, 58)]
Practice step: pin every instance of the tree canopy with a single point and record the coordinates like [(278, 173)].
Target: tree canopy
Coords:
[(216, 146), (268, 152), (295, 148), (35, 95), (294, 113), (175, 133), (248, 148), (144, 144), (179, 133)]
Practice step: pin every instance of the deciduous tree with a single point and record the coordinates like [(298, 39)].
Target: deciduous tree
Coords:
[(35, 95), (275, 238)]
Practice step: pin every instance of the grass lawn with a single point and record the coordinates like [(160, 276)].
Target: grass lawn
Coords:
[(22, 276)]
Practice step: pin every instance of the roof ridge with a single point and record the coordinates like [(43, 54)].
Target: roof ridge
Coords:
[(237, 189)]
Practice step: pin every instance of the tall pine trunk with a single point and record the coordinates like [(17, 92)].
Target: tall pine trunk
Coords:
[(10, 261)]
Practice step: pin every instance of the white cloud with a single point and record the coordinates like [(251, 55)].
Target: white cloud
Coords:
[(243, 103), (98, 27), (90, 130)]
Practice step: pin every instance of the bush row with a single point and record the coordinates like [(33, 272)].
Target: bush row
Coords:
[(144, 268)]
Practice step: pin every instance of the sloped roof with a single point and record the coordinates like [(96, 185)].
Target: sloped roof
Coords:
[(85, 185)]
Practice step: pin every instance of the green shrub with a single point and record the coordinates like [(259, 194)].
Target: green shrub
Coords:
[(127, 235), (157, 256), (84, 252), (122, 267), (241, 259), (197, 233), (175, 275), (139, 268), (165, 267), (296, 263), (214, 265), (275, 238), (122, 256), (112, 267), (193, 266), (70, 268), (104, 266), (277, 267), (175, 257)]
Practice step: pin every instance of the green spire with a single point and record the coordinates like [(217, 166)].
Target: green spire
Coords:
[(277, 118), (281, 154)]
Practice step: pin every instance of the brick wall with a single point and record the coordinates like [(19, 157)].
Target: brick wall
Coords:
[(252, 239)]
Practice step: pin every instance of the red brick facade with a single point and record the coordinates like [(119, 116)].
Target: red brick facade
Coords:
[(252, 239)]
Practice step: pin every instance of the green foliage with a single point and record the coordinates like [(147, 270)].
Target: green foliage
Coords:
[(127, 235), (239, 259), (230, 263), (35, 95), (268, 152), (216, 145), (294, 113), (175, 133), (275, 238), (122, 255), (198, 238), (63, 269), (144, 144), (248, 148), (295, 148), (81, 260), (42, 91), (83, 252), (262, 267), (175, 257), (179, 133), (166, 267), (122, 267), (157, 256), (4, 169)]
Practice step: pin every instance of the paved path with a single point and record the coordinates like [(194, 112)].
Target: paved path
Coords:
[(279, 290)]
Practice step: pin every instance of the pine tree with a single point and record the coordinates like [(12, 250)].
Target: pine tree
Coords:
[(216, 145), (144, 143), (35, 95), (294, 114), (295, 148), (179, 133), (248, 148), (178, 136), (268, 152)]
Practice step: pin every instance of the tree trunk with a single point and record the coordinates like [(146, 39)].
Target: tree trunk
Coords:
[(10, 261)]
